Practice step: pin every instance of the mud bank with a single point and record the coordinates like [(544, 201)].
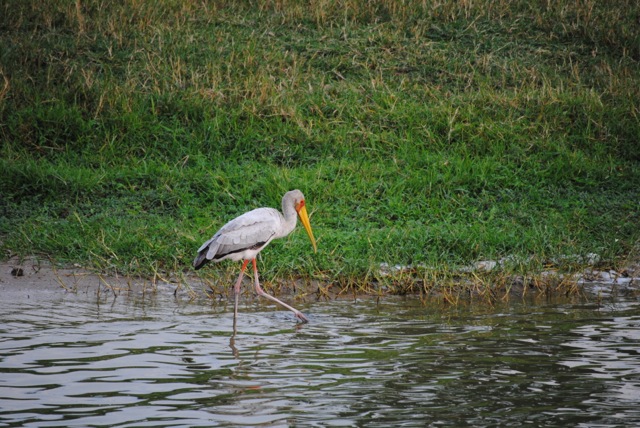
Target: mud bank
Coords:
[(21, 279)]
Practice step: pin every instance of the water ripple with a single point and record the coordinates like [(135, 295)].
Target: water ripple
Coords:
[(72, 360)]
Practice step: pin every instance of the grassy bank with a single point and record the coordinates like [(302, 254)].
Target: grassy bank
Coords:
[(431, 134)]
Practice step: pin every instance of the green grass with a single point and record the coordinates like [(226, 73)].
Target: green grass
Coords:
[(429, 134)]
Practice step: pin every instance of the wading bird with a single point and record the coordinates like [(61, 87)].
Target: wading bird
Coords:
[(245, 236)]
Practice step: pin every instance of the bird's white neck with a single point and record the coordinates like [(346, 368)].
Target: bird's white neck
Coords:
[(290, 216)]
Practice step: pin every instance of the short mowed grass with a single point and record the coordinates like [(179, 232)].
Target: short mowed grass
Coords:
[(430, 134)]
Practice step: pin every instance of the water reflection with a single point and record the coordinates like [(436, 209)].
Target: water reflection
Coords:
[(74, 360)]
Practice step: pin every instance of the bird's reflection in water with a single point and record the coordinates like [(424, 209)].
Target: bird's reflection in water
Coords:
[(232, 339)]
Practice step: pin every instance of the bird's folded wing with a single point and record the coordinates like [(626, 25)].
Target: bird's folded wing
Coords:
[(252, 229)]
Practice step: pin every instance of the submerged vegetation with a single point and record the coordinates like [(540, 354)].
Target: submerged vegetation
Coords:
[(425, 134)]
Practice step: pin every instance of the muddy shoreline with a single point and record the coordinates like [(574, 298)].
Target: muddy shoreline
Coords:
[(23, 278)]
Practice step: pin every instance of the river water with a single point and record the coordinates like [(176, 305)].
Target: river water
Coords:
[(90, 360)]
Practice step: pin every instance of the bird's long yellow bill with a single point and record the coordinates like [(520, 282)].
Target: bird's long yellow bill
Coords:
[(302, 212)]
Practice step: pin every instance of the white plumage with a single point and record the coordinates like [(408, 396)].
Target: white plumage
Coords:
[(245, 236)]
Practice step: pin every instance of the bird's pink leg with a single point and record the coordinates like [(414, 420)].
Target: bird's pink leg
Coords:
[(262, 293), (236, 291)]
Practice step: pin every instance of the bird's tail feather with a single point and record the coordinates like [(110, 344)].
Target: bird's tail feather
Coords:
[(206, 252), (201, 259)]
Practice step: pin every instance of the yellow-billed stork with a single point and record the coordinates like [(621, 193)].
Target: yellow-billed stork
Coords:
[(245, 236)]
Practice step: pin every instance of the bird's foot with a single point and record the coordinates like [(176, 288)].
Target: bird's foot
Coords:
[(301, 317)]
